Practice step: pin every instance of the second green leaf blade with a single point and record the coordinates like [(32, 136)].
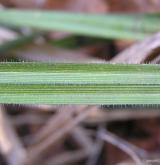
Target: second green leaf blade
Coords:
[(42, 83), (113, 26)]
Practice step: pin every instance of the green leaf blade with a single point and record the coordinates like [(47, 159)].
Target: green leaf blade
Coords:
[(105, 26), (44, 83)]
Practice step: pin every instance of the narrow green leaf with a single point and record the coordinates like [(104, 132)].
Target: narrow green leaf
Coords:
[(45, 83), (105, 26)]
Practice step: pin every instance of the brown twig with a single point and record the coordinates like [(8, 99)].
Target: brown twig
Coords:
[(10, 145), (104, 115), (128, 148), (85, 144), (36, 151), (97, 148)]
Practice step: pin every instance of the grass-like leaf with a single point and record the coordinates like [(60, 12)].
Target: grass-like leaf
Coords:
[(104, 26), (42, 83)]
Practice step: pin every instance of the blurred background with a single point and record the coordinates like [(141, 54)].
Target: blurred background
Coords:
[(79, 135)]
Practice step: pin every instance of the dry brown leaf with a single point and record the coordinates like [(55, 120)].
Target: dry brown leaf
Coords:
[(142, 52), (92, 6), (134, 5), (89, 5)]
